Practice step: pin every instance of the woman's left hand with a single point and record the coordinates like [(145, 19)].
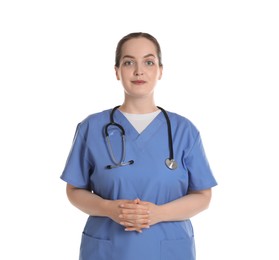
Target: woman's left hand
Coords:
[(154, 212), (129, 221)]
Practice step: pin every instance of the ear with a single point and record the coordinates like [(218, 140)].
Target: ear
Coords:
[(117, 72), (160, 72)]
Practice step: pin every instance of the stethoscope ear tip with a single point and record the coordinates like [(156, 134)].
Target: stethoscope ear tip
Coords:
[(131, 161), (170, 162), (109, 167)]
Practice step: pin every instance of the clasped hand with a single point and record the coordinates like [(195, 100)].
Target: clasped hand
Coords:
[(136, 215)]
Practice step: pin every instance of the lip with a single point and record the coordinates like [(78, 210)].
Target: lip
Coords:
[(138, 82)]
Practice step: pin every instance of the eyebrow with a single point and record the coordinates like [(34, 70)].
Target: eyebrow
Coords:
[(132, 57)]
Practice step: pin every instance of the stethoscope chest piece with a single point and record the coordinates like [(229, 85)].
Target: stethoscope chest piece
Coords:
[(171, 164)]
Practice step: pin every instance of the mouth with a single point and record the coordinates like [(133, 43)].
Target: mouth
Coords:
[(138, 82)]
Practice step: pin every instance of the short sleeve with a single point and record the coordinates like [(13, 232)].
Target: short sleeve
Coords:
[(200, 174), (77, 169)]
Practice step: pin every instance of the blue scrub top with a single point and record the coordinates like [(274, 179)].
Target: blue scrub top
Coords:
[(147, 179)]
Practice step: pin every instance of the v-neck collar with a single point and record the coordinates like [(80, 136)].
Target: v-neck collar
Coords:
[(132, 134)]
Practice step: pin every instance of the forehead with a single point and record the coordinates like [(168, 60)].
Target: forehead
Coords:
[(138, 47)]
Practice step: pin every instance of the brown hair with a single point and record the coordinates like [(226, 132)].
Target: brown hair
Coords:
[(118, 52)]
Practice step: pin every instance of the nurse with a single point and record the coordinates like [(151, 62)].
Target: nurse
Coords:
[(139, 204)]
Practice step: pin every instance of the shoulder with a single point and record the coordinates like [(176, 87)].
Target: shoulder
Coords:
[(96, 117), (181, 120), (183, 125), (95, 120)]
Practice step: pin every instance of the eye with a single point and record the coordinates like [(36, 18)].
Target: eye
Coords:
[(149, 63), (128, 63)]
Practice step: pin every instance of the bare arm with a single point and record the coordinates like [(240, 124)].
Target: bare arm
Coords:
[(177, 210), (94, 205), (186, 207), (87, 202), (136, 215)]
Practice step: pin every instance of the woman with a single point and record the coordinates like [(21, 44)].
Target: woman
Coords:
[(139, 207)]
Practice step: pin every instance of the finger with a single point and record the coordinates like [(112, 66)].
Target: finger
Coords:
[(130, 225), (143, 217), (137, 201), (133, 229), (143, 202), (133, 206), (134, 212), (135, 223)]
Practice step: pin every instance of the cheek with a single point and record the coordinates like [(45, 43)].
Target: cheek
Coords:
[(156, 71), (156, 75), (124, 74), (121, 75)]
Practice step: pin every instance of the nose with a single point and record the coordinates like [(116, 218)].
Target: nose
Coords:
[(139, 74), (138, 71)]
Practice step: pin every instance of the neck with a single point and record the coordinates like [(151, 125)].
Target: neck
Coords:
[(138, 106)]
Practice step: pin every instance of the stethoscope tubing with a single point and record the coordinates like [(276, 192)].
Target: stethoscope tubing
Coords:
[(170, 162), (171, 155)]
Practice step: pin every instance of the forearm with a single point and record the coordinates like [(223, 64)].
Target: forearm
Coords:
[(88, 202), (185, 207), (94, 205)]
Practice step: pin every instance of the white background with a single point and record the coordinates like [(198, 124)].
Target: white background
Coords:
[(221, 64)]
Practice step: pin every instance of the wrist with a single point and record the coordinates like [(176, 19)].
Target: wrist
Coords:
[(106, 208), (160, 214), (163, 215)]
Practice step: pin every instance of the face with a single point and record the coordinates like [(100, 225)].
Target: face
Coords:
[(139, 68)]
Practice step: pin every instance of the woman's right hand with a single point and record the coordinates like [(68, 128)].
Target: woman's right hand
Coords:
[(130, 214)]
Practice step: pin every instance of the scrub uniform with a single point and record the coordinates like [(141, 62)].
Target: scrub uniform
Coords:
[(147, 179)]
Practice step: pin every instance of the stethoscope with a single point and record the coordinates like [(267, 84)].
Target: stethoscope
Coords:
[(170, 162)]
